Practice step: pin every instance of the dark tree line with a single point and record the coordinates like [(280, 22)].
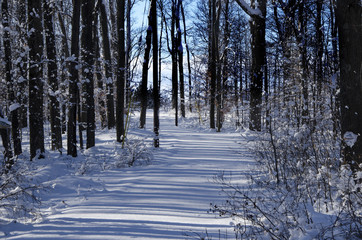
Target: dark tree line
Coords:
[(288, 71), (70, 80)]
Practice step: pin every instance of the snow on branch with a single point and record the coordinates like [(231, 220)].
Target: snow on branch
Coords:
[(248, 10)]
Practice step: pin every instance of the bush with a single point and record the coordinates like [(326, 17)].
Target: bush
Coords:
[(134, 153), (303, 190), (18, 195)]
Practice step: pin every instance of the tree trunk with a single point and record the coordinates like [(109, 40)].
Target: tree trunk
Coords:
[(156, 91), (144, 100), (108, 66), (14, 112), (188, 58), (73, 81), (88, 61), (257, 28), (219, 87), (212, 64), (350, 53), (98, 70), (225, 73), (128, 52), (23, 65), (174, 63), (55, 124), (120, 71), (65, 69), (180, 59), (36, 113)]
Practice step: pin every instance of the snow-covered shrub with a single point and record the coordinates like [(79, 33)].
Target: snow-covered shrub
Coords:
[(18, 194), (303, 190), (134, 153)]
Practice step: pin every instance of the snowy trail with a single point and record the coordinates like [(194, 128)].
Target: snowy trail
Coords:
[(168, 199)]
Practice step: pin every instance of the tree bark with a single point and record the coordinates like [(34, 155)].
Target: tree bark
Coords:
[(98, 69), (156, 91), (128, 52), (87, 52), (219, 86), (350, 53), (55, 124), (213, 64), (23, 65), (257, 28), (65, 69), (10, 83), (108, 66), (180, 59), (174, 62), (73, 81), (188, 58), (144, 100), (120, 71), (36, 111)]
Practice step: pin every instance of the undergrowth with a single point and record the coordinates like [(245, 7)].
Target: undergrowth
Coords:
[(303, 189)]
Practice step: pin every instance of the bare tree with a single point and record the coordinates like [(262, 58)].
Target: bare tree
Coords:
[(156, 91), (73, 81), (120, 70), (146, 60), (35, 40), (108, 65), (87, 52), (11, 95), (55, 124), (257, 28)]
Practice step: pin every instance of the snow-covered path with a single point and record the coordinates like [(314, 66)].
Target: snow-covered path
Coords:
[(168, 199)]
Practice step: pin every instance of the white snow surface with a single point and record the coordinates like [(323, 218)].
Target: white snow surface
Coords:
[(167, 199)]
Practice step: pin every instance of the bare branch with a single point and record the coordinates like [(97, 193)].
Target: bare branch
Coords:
[(248, 10)]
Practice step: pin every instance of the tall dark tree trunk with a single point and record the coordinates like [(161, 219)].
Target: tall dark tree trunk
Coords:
[(87, 52), (350, 52), (257, 28), (128, 52), (144, 83), (156, 91), (98, 70), (213, 66), (120, 71), (188, 58), (108, 66), (219, 87), (36, 113), (65, 68), (55, 124), (73, 81), (9, 81), (180, 59), (225, 65), (174, 62), (23, 65)]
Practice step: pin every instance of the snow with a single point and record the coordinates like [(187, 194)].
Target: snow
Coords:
[(167, 199), (350, 138), (4, 123), (250, 11)]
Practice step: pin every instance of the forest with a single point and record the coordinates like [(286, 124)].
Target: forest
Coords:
[(285, 74)]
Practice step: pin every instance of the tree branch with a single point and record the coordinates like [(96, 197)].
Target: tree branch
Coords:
[(248, 10)]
